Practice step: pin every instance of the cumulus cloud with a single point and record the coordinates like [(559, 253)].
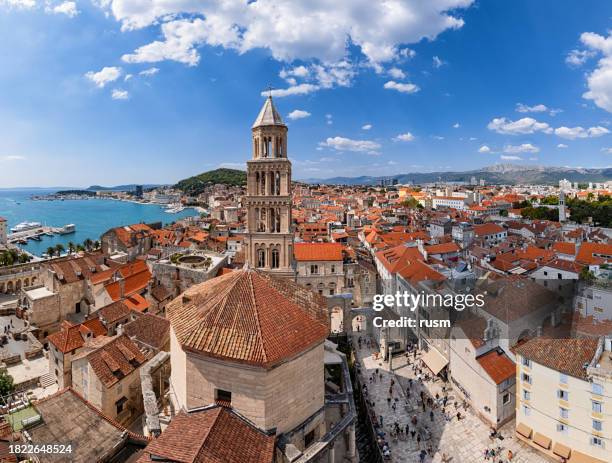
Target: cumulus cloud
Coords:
[(401, 87), (149, 72), (67, 8), (523, 148), (577, 58), (397, 73), (484, 149), (104, 76), (301, 89), (366, 127), (298, 114), (298, 30), (525, 125), (562, 146), (571, 133), (118, 94), (347, 144), (404, 137), (504, 157), (537, 108), (456, 125), (599, 81)]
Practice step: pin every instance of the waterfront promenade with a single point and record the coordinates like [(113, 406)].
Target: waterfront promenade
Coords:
[(460, 441)]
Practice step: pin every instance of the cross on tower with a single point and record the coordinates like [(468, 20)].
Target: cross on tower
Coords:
[(270, 88)]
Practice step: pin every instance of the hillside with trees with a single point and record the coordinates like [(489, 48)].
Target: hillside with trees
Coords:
[(196, 184)]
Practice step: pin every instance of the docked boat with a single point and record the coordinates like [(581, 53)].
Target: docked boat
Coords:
[(67, 229), (25, 226)]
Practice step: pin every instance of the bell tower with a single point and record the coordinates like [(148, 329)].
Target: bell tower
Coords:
[(269, 238)]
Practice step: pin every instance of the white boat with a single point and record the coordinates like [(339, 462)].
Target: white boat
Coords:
[(174, 208), (67, 229), (25, 226)]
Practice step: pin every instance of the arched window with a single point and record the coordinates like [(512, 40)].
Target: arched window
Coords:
[(255, 147), (277, 221), (261, 222), (275, 258), (277, 185), (261, 258)]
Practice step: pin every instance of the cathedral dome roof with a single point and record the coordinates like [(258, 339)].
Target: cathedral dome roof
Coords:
[(250, 317), (268, 115)]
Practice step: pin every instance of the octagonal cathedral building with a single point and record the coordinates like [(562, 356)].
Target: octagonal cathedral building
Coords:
[(253, 340)]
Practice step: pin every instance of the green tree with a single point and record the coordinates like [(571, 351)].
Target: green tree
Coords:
[(51, 251), (59, 248), (6, 383), (97, 244), (88, 243), (586, 275), (71, 247)]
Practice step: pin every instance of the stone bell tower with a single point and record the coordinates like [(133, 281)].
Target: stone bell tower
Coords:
[(269, 238)]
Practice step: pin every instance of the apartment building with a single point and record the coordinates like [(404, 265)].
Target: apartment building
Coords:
[(564, 398)]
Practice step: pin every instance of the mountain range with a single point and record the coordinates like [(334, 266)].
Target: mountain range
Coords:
[(499, 174)]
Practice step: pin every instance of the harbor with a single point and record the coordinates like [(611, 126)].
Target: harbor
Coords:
[(35, 231)]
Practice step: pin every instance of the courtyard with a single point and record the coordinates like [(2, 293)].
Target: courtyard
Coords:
[(449, 439)]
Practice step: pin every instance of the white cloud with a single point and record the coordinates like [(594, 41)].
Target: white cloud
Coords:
[(297, 71), (510, 158), (149, 72), (301, 89), (19, 4), (12, 157), (599, 81), (525, 125), (562, 146), (298, 30), (329, 119), (68, 8), (347, 144), (118, 94), (606, 150), (366, 127), (538, 108), (437, 62), (104, 76), (298, 114), (404, 137), (397, 73), (484, 149), (577, 58), (128, 77), (401, 87), (571, 133), (456, 125), (523, 148), (407, 53)]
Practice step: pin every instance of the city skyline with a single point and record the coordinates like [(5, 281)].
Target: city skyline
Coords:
[(153, 94)]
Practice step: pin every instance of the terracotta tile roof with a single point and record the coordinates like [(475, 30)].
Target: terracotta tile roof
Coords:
[(564, 355), (396, 258), (594, 253), (419, 271), (563, 247), (73, 337), (442, 248), (137, 302), (133, 283), (250, 317), (160, 293), (115, 360), (73, 269), (488, 229), (317, 251), (149, 329), (114, 312), (498, 365), (213, 435)]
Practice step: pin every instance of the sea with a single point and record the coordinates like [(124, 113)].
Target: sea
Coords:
[(92, 217)]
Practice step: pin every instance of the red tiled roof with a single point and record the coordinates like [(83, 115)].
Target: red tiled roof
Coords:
[(250, 317), (72, 337), (317, 251), (133, 283), (443, 248), (594, 253), (563, 247), (498, 365), (114, 312), (115, 360), (137, 302), (487, 229), (213, 435)]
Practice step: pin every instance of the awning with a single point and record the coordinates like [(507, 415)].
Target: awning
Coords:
[(562, 450), (524, 430), (578, 457), (434, 360), (542, 440)]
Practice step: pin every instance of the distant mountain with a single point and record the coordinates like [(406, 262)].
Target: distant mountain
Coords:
[(499, 174), (130, 187), (196, 184)]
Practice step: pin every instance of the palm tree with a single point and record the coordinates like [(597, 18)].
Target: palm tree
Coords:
[(97, 244), (80, 247), (59, 248), (71, 247), (88, 244), (50, 251)]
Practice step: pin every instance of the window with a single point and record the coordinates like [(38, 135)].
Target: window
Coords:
[(563, 412), (314, 269), (275, 259), (596, 388), (261, 258), (597, 441), (526, 410), (563, 395), (120, 404), (223, 396), (309, 438), (545, 273), (526, 395), (562, 427), (333, 268), (526, 362), (559, 277), (597, 407), (597, 425), (562, 378), (526, 378), (506, 398)]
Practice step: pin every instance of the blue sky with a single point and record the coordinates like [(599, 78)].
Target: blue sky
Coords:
[(124, 91)]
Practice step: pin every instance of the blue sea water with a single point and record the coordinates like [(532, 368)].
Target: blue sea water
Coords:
[(91, 217)]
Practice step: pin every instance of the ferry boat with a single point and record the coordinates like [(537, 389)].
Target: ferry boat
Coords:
[(174, 208), (25, 226), (67, 229)]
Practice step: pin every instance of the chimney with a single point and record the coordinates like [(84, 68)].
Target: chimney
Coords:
[(122, 288)]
